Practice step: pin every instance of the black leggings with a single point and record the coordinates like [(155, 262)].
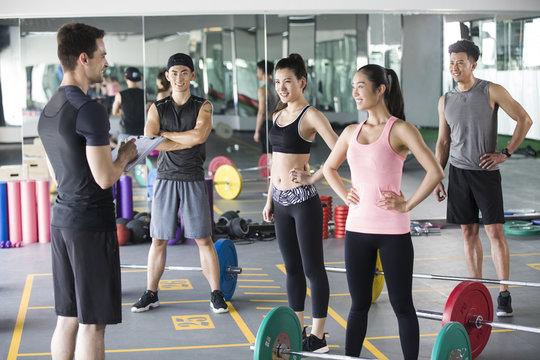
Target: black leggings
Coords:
[(299, 235), (397, 257)]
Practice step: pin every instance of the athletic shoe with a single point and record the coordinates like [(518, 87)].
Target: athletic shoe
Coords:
[(217, 302), (313, 344), (504, 302), (147, 301), (304, 335)]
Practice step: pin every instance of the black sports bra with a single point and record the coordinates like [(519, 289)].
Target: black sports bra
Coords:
[(287, 139)]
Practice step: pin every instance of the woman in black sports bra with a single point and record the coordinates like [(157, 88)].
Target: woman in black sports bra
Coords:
[(293, 203)]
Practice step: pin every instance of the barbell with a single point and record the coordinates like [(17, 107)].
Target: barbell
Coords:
[(378, 281), (467, 322), (228, 182), (280, 337), (220, 160), (471, 305), (228, 267)]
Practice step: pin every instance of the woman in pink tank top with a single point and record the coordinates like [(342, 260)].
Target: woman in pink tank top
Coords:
[(378, 218)]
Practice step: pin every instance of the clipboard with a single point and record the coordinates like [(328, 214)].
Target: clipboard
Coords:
[(144, 144)]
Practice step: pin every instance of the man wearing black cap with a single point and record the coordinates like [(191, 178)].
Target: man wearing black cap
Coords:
[(185, 120), (129, 104)]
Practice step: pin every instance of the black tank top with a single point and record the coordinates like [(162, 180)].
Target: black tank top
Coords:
[(286, 139), (187, 164), (133, 111)]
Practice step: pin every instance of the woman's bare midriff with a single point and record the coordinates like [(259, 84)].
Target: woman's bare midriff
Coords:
[(281, 165)]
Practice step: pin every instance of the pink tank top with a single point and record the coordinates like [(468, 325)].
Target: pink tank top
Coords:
[(375, 167)]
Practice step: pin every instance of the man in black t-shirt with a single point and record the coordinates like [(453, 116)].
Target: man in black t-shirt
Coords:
[(129, 104), (74, 130)]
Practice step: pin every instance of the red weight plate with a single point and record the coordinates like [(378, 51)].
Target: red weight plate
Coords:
[(467, 301), (216, 162), (263, 163)]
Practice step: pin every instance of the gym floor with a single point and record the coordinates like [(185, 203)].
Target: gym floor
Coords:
[(184, 327)]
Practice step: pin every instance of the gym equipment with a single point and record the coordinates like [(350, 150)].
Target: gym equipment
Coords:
[(3, 212), (122, 233), (232, 224), (280, 337), (446, 277), (126, 196), (216, 162), (521, 227), (28, 211), (228, 264), (228, 181), (426, 228), (145, 216), (471, 305), (14, 211), (223, 130), (140, 231), (43, 211)]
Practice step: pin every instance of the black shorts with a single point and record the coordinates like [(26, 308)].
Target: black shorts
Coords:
[(470, 191), (86, 275)]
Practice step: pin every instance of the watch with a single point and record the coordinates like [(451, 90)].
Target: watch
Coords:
[(505, 152)]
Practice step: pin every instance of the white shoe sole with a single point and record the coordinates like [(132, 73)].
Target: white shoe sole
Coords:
[(146, 308), (504, 314), (322, 350), (218, 311)]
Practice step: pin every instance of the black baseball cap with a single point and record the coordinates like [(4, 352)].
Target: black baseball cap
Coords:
[(180, 59), (132, 74)]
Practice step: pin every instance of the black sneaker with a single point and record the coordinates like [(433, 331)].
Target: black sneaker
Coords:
[(217, 302), (304, 335), (313, 344), (504, 304), (147, 301)]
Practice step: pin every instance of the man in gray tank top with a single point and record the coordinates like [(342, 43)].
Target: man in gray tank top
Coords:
[(468, 139), (185, 121)]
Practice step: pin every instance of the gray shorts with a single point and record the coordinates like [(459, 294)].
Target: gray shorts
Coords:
[(192, 199)]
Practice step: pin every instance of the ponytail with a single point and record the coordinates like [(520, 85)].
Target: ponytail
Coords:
[(393, 98)]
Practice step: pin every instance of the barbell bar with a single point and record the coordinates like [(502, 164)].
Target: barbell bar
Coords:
[(220, 160), (228, 267), (471, 305), (280, 337), (450, 278)]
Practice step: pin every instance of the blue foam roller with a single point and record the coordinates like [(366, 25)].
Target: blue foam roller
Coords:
[(4, 230), (227, 257)]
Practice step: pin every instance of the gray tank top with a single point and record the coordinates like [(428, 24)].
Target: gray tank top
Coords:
[(473, 125)]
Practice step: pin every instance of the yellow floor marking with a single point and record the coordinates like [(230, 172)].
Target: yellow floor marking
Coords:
[(256, 280), (260, 286), (40, 307), (263, 308), (216, 209), (252, 274), (241, 324), (343, 323), (19, 324), (534, 266), (267, 300), (264, 293)]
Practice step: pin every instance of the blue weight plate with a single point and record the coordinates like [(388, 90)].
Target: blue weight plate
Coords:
[(227, 256), (536, 221), (280, 328), (452, 343)]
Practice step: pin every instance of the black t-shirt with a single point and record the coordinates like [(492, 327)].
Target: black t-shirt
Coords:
[(71, 121), (133, 111), (187, 164)]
